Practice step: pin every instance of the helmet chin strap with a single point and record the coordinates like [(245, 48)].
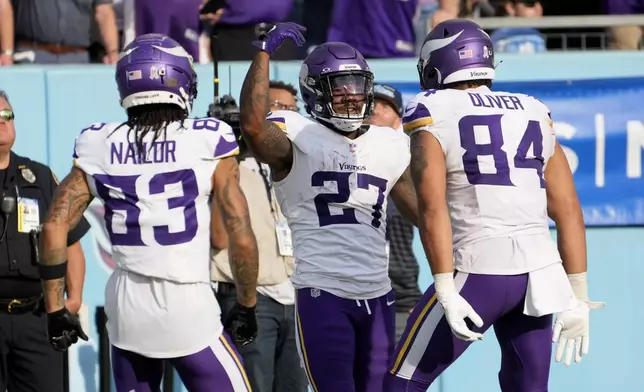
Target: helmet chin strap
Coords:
[(328, 123)]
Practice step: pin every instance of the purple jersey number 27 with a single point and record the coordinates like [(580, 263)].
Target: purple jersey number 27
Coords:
[(341, 179), (127, 186), (531, 137)]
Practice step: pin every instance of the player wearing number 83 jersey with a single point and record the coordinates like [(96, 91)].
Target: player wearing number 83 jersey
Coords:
[(332, 176), (156, 174), (488, 172)]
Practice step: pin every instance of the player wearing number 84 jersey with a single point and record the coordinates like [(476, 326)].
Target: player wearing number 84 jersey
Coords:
[(332, 177), (155, 174), (488, 172)]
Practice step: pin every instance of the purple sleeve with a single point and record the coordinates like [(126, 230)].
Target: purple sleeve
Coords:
[(416, 115), (278, 118), (226, 144), (226, 148), (280, 121)]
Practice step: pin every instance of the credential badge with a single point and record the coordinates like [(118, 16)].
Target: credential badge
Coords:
[(28, 175)]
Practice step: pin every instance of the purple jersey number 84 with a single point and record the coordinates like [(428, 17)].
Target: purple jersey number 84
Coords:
[(531, 137)]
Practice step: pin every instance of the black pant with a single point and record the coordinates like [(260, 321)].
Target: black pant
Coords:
[(271, 361), (28, 363)]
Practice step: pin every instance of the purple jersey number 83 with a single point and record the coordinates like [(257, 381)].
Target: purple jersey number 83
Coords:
[(128, 205)]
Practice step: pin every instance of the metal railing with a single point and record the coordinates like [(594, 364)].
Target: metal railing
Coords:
[(580, 34), (577, 40), (561, 22)]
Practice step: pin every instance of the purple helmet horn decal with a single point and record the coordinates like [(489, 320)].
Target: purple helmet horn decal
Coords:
[(456, 50), (155, 69)]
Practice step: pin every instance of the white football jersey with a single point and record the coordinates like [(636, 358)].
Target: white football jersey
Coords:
[(157, 210), (335, 202), (496, 146)]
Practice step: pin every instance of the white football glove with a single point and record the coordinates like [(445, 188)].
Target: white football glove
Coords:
[(457, 309), (572, 327)]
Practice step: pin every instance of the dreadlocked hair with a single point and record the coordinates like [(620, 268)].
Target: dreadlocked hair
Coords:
[(152, 118)]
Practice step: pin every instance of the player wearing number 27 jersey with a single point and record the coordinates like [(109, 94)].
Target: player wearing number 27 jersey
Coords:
[(332, 176), (155, 175), (488, 172)]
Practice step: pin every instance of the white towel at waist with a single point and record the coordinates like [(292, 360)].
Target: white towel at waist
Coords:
[(549, 291)]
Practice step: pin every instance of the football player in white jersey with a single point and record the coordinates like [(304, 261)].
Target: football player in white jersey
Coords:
[(332, 176), (155, 174), (488, 172)]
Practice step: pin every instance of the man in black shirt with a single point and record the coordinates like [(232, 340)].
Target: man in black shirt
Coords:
[(28, 361), (403, 266)]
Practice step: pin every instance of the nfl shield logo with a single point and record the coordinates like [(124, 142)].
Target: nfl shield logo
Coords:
[(352, 147), (315, 293)]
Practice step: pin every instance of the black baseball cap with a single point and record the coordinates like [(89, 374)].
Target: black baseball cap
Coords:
[(389, 94)]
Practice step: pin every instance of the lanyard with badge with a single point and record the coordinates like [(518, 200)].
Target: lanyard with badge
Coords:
[(283, 232), (28, 209)]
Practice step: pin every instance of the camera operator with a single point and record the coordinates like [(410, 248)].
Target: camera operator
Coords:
[(271, 361)]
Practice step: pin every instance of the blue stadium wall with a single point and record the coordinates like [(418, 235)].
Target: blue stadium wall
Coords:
[(53, 104)]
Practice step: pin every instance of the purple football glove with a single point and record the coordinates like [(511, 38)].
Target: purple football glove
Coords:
[(276, 37)]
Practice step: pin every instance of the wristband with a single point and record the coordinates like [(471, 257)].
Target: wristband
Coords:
[(58, 312), (51, 272), (246, 308)]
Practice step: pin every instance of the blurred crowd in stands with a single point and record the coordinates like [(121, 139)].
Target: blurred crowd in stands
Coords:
[(83, 31)]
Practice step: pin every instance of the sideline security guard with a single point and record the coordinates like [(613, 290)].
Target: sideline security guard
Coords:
[(28, 362)]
